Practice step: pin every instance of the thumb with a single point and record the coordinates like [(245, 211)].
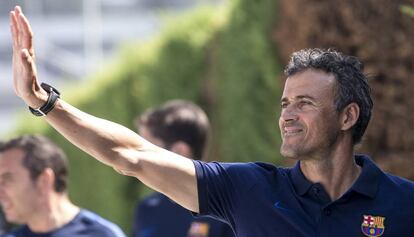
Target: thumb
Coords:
[(29, 63), (26, 55)]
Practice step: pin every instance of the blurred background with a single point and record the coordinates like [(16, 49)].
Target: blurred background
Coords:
[(74, 39), (114, 59)]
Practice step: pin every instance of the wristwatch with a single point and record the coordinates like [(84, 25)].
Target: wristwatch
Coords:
[(54, 94)]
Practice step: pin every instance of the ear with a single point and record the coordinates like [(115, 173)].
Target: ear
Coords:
[(46, 180), (349, 116), (182, 148)]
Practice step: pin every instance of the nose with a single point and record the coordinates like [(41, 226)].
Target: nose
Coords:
[(288, 114)]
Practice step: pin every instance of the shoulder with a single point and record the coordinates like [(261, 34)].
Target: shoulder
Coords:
[(397, 193), (97, 224), (373, 176), (399, 185), (239, 173), (249, 168), (389, 185)]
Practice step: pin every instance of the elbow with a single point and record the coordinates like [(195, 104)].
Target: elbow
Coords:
[(125, 162)]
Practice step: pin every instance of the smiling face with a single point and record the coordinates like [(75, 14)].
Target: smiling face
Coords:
[(309, 122), (18, 193)]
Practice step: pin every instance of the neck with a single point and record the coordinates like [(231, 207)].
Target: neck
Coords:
[(336, 172), (56, 212)]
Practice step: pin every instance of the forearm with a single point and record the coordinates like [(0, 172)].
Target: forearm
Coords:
[(100, 138), (128, 153)]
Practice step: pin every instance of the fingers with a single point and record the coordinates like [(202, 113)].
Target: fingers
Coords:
[(28, 63), (26, 55), (13, 29), (18, 9), (26, 34), (24, 68), (21, 30)]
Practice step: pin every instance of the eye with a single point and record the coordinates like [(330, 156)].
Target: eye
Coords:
[(283, 105), (304, 103)]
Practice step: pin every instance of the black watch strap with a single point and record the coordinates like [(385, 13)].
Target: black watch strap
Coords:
[(54, 94)]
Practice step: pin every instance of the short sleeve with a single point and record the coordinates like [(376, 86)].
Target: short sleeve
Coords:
[(221, 186)]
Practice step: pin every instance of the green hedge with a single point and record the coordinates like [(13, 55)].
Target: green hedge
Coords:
[(221, 59)]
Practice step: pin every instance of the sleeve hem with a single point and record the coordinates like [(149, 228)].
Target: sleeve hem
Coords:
[(201, 188)]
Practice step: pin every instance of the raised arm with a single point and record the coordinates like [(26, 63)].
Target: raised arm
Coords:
[(110, 143)]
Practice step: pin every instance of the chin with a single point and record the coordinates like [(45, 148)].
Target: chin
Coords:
[(16, 221), (289, 151), (291, 157), (10, 219), (289, 154), (13, 219)]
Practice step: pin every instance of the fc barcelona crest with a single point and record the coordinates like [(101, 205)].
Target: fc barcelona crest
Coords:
[(198, 229), (373, 225)]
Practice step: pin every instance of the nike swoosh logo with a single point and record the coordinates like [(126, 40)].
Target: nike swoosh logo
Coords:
[(146, 232), (279, 206)]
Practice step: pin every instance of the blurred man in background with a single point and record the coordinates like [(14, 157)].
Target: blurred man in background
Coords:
[(33, 193), (180, 127), (4, 226)]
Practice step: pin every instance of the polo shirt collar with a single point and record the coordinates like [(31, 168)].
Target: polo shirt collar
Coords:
[(300, 183), (368, 181), (366, 184)]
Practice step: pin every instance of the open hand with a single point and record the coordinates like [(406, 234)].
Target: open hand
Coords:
[(25, 80)]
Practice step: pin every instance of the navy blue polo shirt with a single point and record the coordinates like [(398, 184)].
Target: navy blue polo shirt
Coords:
[(159, 216), (85, 224), (3, 223), (260, 199)]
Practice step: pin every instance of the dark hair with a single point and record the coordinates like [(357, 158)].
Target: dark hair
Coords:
[(41, 153), (352, 84), (175, 121)]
